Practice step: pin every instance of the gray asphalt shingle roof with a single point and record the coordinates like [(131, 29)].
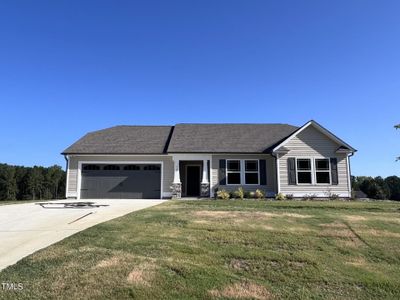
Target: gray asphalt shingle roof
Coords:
[(185, 138), (123, 140), (228, 138)]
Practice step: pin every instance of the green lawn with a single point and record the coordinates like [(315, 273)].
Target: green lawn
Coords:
[(224, 249)]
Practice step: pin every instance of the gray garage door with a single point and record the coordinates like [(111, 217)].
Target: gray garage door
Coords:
[(135, 181)]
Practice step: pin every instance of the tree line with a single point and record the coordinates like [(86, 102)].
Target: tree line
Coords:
[(378, 187), (31, 183)]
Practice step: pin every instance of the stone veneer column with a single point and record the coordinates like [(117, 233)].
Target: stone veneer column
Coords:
[(205, 183), (176, 187)]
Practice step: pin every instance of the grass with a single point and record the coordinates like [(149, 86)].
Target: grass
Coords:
[(222, 250)]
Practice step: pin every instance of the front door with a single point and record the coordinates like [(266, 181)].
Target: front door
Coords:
[(193, 181)]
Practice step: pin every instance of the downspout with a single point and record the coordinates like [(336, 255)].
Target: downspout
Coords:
[(67, 175), (349, 168)]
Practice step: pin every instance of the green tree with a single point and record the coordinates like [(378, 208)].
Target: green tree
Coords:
[(393, 182), (8, 183), (35, 182), (53, 177)]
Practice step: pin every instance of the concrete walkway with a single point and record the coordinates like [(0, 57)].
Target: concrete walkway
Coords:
[(26, 228)]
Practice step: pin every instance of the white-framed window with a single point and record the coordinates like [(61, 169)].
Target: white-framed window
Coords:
[(322, 171), (304, 171), (251, 172), (233, 171), (242, 171)]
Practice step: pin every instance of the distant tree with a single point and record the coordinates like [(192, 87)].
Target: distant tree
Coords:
[(35, 182), (23, 183), (8, 183), (53, 177), (393, 182)]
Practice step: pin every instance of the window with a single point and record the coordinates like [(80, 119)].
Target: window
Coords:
[(251, 172), (132, 168), (233, 172), (322, 171), (304, 173), (91, 167), (151, 168), (111, 168), (242, 171)]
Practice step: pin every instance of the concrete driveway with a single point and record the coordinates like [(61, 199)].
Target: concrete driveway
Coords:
[(26, 228)]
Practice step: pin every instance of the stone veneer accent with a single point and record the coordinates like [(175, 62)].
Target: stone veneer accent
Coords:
[(205, 190), (176, 190)]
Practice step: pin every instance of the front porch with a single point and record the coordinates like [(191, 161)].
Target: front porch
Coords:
[(191, 176)]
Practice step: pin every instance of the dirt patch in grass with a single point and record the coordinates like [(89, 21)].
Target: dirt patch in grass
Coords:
[(338, 232), (298, 229), (350, 243), (355, 218), (109, 262), (239, 264), (335, 224), (242, 290), (380, 233), (246, 215), (358, 262), (142, 274)]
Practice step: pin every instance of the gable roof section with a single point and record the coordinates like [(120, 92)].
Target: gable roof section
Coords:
[(123, 140), (227, 138), (343, 145)]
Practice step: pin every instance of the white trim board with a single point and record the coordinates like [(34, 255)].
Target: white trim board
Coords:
[(81, 162)]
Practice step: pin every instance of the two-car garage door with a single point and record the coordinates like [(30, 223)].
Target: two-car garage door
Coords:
[(121, 181)]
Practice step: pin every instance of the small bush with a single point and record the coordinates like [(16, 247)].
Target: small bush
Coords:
[(251, 195), (240, 193), (309, 197), (280, 197), (332, 196), (289, 197), (259, 194), (224, 195)]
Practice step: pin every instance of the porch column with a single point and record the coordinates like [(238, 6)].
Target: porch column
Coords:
[(205, 172), (176, 187), (205, 183)]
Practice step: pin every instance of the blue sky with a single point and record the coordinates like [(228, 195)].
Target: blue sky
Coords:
[(69, 67)]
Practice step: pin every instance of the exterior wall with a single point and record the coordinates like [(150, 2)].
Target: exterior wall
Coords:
[(270, 187), (311, 143), (73, 169)]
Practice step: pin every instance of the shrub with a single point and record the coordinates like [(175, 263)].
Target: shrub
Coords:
[(280, 196), (259, 194), (289, 197), (224, 195), (331, 195), (239, 193), (251, 195), (309, 197)]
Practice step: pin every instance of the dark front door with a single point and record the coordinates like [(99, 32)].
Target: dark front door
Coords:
[(193, 181)]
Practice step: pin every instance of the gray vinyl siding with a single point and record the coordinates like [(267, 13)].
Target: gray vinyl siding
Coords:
[(168, 169), (311, 143), (270, 187)]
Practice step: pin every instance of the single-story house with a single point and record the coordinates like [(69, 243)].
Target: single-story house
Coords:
[(195, 160)]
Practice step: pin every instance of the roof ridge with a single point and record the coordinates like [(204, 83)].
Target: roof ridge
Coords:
[(236, 124)]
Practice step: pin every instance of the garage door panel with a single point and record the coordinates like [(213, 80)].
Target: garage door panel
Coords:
[(121, 184)]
